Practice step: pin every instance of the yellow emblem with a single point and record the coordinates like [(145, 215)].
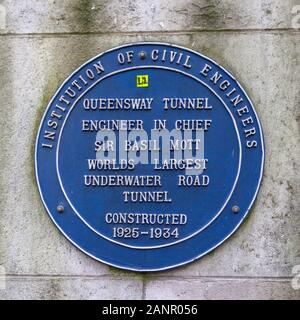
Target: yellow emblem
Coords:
[(142, 81)]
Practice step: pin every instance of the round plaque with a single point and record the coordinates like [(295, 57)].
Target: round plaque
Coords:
[(149, 156)]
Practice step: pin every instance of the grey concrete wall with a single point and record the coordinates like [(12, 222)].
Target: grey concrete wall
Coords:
[(43, 41)]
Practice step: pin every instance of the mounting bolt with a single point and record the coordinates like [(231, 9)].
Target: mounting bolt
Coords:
[(235, 209), (142, 55), (60, 208)]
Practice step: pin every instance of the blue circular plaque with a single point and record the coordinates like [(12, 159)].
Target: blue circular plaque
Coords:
[(149, 156)]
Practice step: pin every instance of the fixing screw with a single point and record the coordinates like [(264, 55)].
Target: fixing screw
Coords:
[(235, 209), (142, 55), (60, 208)]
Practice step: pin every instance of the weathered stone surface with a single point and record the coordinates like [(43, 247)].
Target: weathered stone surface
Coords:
[(56, 288), (220, 288), (71, 16)]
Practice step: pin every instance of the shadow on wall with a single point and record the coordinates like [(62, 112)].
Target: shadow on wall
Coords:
[(85, 14), (210, 14)]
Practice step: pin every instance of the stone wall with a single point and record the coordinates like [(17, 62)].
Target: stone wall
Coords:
[(43, 41)]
